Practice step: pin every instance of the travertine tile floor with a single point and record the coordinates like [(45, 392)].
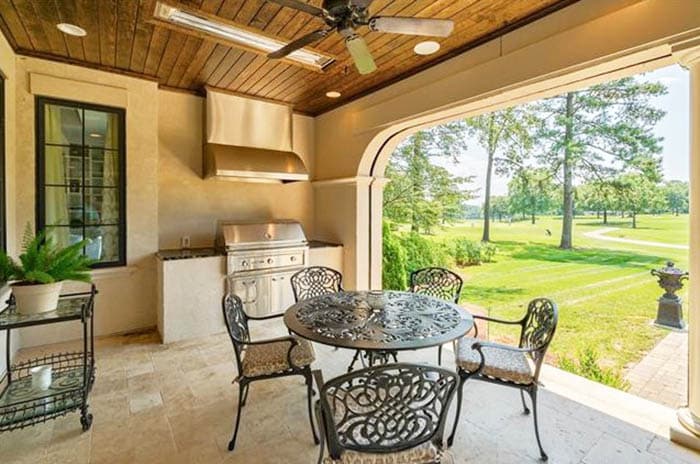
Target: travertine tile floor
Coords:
[(175, 404)]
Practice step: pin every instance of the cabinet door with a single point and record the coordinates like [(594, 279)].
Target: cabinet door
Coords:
[(254, 293), (281, 294)]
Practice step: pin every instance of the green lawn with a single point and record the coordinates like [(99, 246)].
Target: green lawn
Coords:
[(606, 296)]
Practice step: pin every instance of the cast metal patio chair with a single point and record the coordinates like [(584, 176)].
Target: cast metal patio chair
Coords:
[(393, 413), (439, 283), (316, 281), (507, 365), (264, 359)]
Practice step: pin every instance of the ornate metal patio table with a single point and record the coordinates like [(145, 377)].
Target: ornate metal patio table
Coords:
[(378, 320)]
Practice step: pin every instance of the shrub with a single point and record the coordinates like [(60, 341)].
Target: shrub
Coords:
[(470, 253), (421, 252), (587, 366), (393, 260), (488, 251)]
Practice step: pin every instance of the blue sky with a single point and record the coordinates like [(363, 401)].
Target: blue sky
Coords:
[(673, 128)]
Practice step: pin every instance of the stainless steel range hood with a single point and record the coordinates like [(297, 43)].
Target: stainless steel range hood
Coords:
[(250, 140)]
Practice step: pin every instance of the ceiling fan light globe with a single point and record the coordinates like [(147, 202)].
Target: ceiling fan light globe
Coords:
[(360, 54)]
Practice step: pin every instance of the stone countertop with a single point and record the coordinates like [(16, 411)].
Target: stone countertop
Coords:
[(188, 253), (322, 244)]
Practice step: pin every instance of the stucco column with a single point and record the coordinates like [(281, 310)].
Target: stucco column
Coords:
[(689, 416), (376, 211)]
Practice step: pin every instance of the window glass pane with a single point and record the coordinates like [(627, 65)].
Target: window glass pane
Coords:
[(63, 165), (81, 157), (64, 236), (104, 243), (63, 125), (102, 129), (102, 205), (63, 206), (102, 168)]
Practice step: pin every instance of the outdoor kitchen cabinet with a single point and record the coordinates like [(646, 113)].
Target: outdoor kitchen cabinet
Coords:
[(264, 295)]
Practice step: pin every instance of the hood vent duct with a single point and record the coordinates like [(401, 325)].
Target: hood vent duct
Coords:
[(250, 140)]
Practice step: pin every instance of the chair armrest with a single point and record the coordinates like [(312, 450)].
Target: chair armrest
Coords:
[(483, 344), (498, 321), (264, 318)]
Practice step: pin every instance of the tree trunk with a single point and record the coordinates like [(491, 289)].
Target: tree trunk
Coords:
[(568, 217), (414, 186), (605, 216), (634, 220), (533, 218), (486, 236), (597, 214)]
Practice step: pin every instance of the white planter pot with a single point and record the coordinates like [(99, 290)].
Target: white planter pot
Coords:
[(39, 298)]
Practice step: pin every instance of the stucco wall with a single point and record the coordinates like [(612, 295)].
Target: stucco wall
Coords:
[(7, 68), (127, 298), (190, 205)]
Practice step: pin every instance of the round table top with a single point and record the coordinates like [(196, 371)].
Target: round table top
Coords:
[(378, 320)]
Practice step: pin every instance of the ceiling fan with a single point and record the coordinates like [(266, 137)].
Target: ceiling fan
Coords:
[(345, 16)]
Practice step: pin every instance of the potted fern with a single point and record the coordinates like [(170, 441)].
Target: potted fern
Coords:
[(37, 278)]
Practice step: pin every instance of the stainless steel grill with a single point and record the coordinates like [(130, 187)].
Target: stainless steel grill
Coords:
[(260, 259)]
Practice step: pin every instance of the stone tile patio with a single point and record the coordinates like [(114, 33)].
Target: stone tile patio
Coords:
[(662, 375), (175, 404)]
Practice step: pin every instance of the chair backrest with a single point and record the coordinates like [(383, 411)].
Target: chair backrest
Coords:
[(316, 281), (236, 323), (437, 282), (538, 327), (387, 408)]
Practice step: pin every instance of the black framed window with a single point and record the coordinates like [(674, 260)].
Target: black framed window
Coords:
[(81, 177)]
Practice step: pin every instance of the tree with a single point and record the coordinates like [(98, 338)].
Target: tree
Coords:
[(598, 196), (677, 194), (499, 207), (637, 193), (595, 133), (531, 192), (421, 193), (505, 135)]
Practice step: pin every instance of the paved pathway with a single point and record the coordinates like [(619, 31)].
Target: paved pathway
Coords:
[(600, 235), (662, 375)]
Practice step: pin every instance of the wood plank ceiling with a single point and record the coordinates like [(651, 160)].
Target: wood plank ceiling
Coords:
[(120, 39)]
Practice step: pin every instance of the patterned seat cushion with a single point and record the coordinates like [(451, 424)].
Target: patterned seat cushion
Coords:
[(272, 357), (426, 453), (502, 364)]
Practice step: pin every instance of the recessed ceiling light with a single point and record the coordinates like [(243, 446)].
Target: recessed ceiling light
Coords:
[(71, 29), (95, 135), (426, 48), (333, 94)]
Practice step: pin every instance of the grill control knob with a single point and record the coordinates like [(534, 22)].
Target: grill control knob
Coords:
[(244, 263), (270, 261), (293, 258)]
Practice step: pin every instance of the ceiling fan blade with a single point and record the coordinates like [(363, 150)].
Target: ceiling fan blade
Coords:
[(412, 26), (360, 54), (361, 3), (301, 42), (301, 6)]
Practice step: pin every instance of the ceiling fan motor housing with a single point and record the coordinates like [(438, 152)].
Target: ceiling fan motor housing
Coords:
[(343, 14)]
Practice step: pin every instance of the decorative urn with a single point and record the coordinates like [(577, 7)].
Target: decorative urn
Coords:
[(670, 310)]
